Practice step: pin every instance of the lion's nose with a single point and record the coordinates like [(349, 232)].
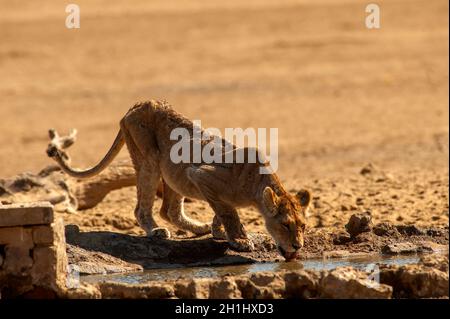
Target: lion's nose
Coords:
[(296, 246)]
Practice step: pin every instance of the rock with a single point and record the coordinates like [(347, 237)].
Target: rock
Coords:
[(16, 236), (301, 284), (410, 230), (261, 285), (367, 237), (225, 288), (415, 281), (341, 238), (84, 291), (112, 290), (385, 229), (348, 283), (197, 288), (368, 169), (359, 223), (50, 267), (43, 235), (435, 261), (431, 247), (399, 248), (95, 268), (39, 213), (89, 262), (435, 232), (17, 260)]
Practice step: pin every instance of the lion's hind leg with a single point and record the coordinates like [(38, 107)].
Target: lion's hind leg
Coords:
[(145, 160)]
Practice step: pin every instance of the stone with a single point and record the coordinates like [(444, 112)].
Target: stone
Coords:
[(40, 213), (301, 284), (348, 283), (43, 235), (50, 267), (184, 289), (17, 260), (201, 288), (251, 291), (16, 236), (197, 288), (127, 291), (385, 229), (13, 286), (341, 238), (368, 169), (430, 247), (410, 230), (435, 261), (359, 223), (399, 248), (95, 262), (225, 288), (415, 281), (367, 237), (262, 285), (84, 291)]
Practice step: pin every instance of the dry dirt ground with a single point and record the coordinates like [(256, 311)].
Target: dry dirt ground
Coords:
[(341, 95)]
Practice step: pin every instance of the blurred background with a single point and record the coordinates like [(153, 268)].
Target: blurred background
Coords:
[(341, 95)]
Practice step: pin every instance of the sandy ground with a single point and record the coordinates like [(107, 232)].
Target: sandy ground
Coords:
[(341, 95)]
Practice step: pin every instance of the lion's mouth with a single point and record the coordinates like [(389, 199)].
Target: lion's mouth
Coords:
[(288, 255)]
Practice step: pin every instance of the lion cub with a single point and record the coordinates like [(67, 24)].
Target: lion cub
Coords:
[(146, 129)]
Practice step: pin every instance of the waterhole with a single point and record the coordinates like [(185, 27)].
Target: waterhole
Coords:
[(363, 263)]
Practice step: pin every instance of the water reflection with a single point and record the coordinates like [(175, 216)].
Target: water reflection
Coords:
[(208, 272)]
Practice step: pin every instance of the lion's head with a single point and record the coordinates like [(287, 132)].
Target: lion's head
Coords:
[(285, 217)]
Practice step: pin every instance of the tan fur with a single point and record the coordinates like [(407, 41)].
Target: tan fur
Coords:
[(145, 129)]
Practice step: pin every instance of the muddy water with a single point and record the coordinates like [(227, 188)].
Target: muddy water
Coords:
[(362, 263)]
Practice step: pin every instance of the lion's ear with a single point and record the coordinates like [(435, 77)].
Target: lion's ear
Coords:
[(270, 200), (304, 197)]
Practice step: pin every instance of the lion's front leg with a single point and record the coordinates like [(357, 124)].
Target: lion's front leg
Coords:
[(217, 229), (173, 209), (210, 186), (234, 230)]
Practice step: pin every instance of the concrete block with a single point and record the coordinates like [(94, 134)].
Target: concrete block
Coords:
[(16, 236), (40, 213)]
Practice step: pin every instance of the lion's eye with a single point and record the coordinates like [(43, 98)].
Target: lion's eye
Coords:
[(286, 226)]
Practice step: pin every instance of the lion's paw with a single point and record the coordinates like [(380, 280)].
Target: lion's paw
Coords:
[(160, 233), (242, 244), (218, 233)]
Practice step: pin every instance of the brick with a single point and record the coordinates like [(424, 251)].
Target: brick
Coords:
[(43, 235), (40, 213), (53, 234), (50, 266), (16, 236), (59, 232), (17, 260)]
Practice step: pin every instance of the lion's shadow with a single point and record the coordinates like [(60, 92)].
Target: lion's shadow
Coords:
[(157, 253)]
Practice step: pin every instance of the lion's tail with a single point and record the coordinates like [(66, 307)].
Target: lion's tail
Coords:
[(109, 157)]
